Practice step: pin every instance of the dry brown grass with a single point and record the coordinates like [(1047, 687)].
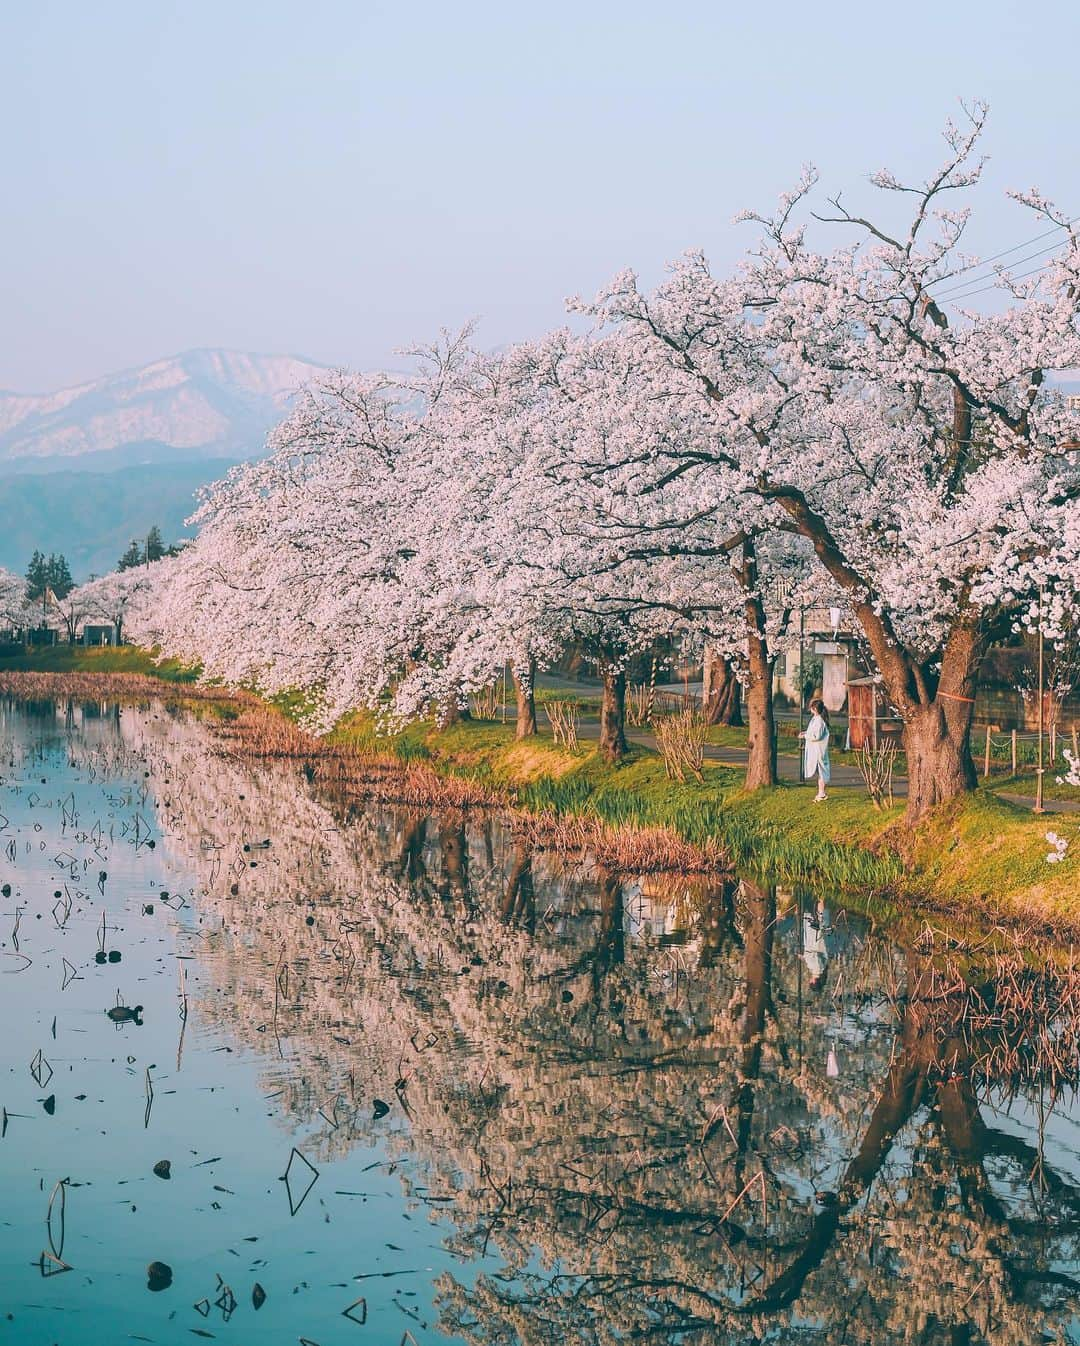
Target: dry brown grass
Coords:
[(681, 741), (261, 733), (33, 686), (628, 849)]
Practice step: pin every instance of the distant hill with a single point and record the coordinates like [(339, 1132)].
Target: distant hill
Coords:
[(84, 470), (202, 404), (92, 516)]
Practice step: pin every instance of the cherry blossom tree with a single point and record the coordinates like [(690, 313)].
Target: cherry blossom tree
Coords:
[(111, 597), (678, 550), (13, 602), (921, 450)]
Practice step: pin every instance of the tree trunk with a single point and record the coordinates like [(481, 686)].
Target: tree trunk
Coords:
[(720, 690), (937, 735), (761, 742), (451, 712), (526, 702), (613, 745), (939, 764)]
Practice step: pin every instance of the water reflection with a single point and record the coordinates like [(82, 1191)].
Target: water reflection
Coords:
[(674, 1110)]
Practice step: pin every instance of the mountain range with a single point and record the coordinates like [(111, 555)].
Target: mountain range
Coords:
[(85, 469)]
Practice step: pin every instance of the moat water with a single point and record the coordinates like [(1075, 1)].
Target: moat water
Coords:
[(275, 1070)]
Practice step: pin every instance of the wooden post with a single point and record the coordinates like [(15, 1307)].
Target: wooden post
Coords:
[(986, 759), (1014, 752)]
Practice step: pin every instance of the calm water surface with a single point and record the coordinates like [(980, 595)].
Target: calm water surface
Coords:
[(414, 1083)]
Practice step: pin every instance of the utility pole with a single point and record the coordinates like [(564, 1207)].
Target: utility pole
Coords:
[(1040, 769)]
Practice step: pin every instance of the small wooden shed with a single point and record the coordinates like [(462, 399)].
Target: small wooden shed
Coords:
[(871, 719), (99, 633)]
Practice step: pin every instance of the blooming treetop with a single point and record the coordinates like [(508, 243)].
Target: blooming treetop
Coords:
[(818, 426), (409, 538)]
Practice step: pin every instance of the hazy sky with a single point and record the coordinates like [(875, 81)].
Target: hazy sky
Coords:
[(336, 179)]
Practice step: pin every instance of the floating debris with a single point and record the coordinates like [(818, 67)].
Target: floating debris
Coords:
[(159, 1276), (299, 1183)]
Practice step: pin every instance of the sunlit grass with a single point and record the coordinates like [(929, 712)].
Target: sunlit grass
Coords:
[(99, 659)]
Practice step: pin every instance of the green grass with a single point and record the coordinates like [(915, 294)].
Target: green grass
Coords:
[(99, 659), (778, 832), (989, 848), (587, 699), (1025, 784), (981, 853)]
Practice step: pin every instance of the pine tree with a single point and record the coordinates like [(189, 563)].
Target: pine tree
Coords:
[(132, 557), (36, 577), (58, 575), (155, 545)]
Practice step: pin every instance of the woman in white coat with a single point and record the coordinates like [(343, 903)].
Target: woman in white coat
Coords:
[(816, 748)]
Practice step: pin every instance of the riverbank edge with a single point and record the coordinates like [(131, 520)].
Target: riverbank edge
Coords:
[(979, 859)]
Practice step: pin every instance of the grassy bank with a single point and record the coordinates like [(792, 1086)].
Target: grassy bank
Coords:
[(983, 856), (98, 659)]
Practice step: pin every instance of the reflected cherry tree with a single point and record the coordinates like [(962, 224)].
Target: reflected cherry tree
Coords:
[(672, 1109)]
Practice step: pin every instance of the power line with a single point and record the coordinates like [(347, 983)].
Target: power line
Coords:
[(1005, 252), (976, 280), (984, 289)]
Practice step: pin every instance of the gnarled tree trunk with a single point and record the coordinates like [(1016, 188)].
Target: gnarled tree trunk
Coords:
[(525, 694), (720, 690), (939, 765), (936, 708), (937, 732), (613, 745)]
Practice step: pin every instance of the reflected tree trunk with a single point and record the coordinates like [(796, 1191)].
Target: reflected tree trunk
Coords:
[(412, 848), (519, 898), (718, 927), (758, 944), (611, 941), (453, 847)]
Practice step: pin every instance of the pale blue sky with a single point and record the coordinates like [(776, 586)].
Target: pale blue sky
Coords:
[(336, 179)]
